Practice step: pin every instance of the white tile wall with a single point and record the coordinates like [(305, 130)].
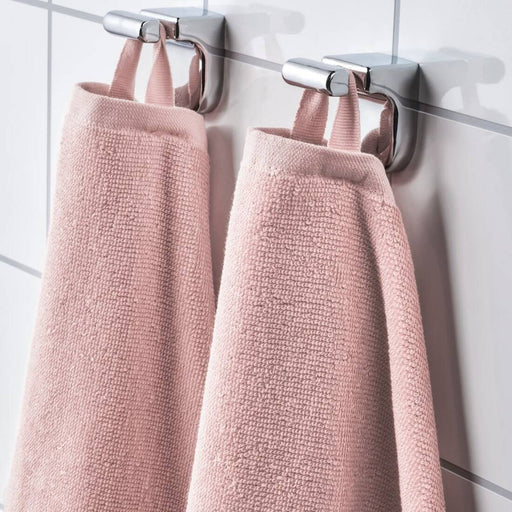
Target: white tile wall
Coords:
[(18, 298), (464, 47), (465, 496), (100, 7), (23, 142), (454, 195), (277, 31), (454, 198)]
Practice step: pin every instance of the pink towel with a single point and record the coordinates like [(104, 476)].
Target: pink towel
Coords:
[(126, 311), (317, 396)]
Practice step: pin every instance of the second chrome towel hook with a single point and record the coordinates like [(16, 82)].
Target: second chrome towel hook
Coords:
[(187, 26), (379, 77)]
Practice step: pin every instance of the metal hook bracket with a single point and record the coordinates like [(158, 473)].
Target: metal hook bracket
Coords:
[(378, 76), (188, 26)]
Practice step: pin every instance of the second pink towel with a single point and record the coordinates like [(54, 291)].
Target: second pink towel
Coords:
[(317, 395)]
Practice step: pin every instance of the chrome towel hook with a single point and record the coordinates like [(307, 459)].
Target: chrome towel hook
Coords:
[(379, 77), (187, 26), (311, 74)]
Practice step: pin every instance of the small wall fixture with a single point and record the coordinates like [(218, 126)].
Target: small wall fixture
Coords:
[(379, 77), (189, 26)]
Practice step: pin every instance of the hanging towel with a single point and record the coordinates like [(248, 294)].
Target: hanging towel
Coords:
[(126, 310), (317, 396)]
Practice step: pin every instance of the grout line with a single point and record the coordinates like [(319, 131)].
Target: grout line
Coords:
[(34, 3), (75, 13), (396, 29), (471, 477), (273, 66), (253, 61), (95, 18), (49, 117), (462, 118), (20, 266)]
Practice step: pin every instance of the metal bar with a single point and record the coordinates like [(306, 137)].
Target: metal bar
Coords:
[(135, 26), (311, 74)]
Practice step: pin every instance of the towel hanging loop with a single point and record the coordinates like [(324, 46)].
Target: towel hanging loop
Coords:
[(380, 78), (186, 26)]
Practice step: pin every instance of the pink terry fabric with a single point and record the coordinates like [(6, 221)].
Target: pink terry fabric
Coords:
[(317, 396), (126, 310)]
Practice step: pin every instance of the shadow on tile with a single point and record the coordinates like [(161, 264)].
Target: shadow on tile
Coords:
[(452, 78), (261, 25), (425, 225), (222, 185)]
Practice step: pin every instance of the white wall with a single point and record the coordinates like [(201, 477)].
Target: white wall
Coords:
[(454, 196)]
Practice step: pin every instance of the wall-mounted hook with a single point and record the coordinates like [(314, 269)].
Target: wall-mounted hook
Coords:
[(378, 76), (311, 74), (189, 26)]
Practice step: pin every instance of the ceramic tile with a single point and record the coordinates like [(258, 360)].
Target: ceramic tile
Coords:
[(462, 495), (456, 206), (23, 103), (18, 298), (101, 7), (464, 48), (301, 28)]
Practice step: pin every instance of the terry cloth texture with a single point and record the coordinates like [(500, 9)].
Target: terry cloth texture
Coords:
[(126, 310), (317, 396)]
